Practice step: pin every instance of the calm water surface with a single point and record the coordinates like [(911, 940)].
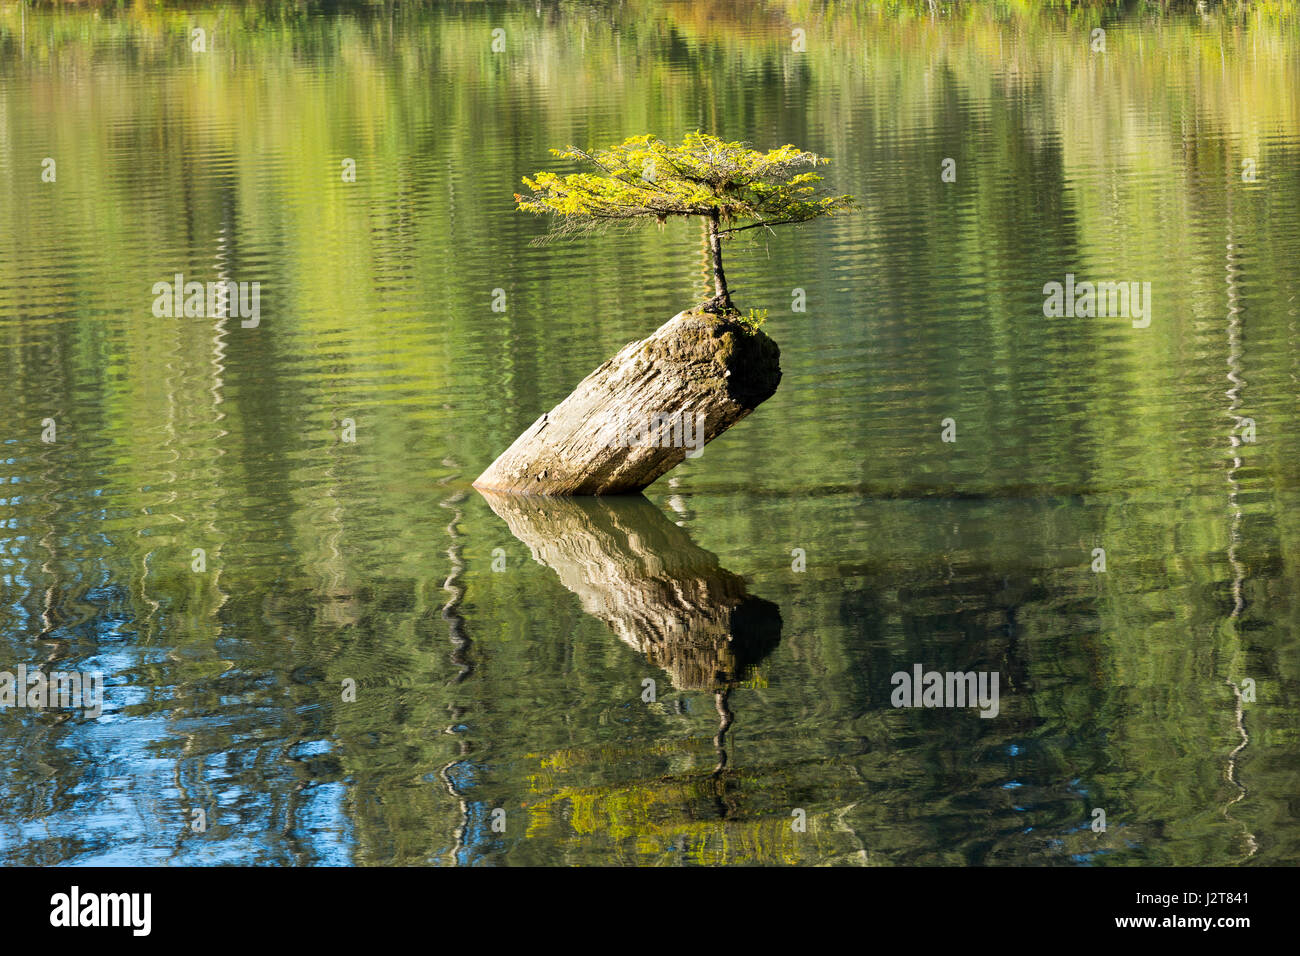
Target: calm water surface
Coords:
[(521, 689)]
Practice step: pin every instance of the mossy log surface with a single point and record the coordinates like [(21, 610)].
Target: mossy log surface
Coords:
[(658, 591), (698, 368)]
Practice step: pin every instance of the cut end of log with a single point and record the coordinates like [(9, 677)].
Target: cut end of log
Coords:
[(645, 410)]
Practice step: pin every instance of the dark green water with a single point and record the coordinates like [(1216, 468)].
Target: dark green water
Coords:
[(521, 689)]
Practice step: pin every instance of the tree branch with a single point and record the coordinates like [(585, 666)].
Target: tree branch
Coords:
[(765, 224)]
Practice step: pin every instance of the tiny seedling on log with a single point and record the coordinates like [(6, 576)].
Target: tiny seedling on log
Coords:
[(732, 187)]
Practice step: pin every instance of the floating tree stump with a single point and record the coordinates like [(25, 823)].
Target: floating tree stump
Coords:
[(638, 415)]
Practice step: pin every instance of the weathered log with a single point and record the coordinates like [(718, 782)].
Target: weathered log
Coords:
[(658, 591), (643, 411)]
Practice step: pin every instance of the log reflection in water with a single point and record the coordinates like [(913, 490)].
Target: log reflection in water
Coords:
[(657, 590)]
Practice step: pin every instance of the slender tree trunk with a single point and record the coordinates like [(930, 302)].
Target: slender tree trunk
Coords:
[(722, 296)]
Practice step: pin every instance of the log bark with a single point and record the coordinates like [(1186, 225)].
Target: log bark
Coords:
[(658, 591), (698, 370)]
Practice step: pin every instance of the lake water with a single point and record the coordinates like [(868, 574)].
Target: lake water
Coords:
[(183, 514)]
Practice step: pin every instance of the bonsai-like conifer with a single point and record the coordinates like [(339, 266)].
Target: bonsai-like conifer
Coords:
[(733, 187)]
